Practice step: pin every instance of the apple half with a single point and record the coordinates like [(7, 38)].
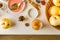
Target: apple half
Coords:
[(48, 5)]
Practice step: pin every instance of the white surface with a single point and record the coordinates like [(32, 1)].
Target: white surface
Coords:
[(20, 29)]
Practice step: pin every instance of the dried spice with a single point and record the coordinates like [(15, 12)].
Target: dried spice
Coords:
[(43, 2), (21, 18), (27, 24), (1, 5)]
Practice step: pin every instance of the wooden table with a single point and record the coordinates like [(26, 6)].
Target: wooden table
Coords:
[(30, 37)]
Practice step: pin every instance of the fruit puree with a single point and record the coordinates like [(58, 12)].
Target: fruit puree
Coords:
[(11, 2)]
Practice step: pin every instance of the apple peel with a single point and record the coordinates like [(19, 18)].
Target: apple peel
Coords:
[(35, 6)]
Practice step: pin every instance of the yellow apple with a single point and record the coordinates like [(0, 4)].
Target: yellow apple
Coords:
[(55, 20), (6, 23), (36, 24), (54, 10), (59, 11), (56, 2)]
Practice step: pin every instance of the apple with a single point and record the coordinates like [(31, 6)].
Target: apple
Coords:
[(56, 2), (59, 11), (6, 23), (37, 24), (54, 10), (55, 20)]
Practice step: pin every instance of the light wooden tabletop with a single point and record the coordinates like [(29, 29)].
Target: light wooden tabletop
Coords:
[(29, 37)]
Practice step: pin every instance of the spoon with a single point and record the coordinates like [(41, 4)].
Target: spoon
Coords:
[(16, 5)]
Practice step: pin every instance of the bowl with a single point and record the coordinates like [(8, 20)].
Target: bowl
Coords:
[(48, 5), (20, 9)]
